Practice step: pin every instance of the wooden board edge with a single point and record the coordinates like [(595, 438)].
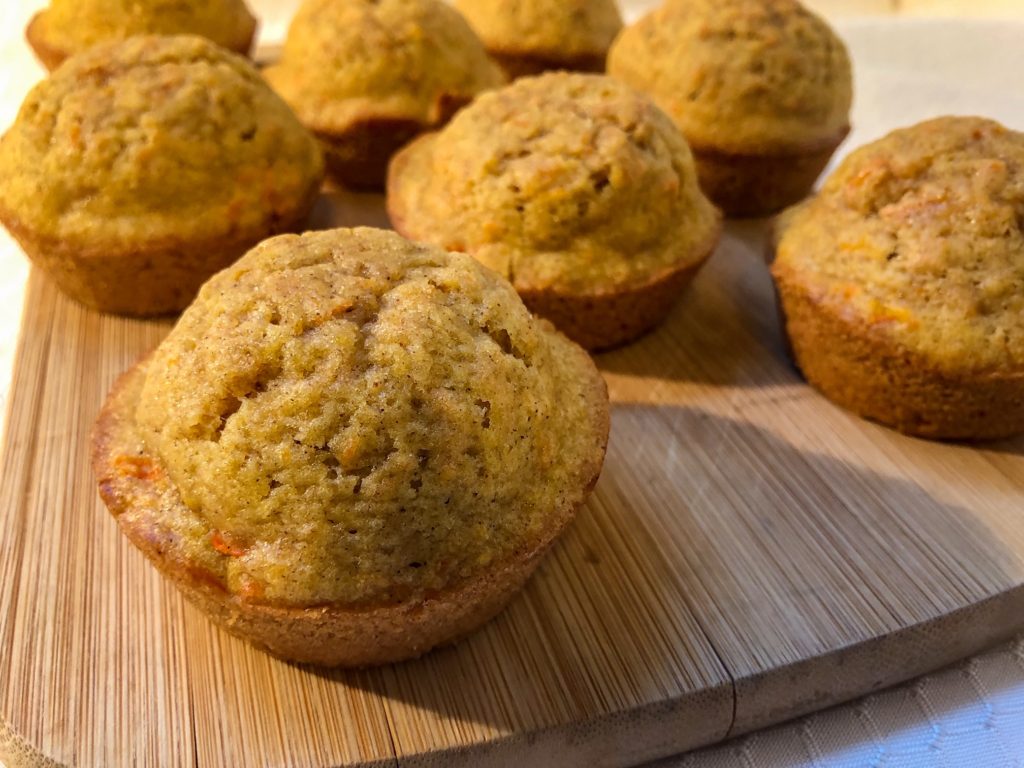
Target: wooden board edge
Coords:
[(872, 665), (633, 736)]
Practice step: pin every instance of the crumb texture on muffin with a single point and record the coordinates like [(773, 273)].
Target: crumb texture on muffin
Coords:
[(919, 235), (741, 76), (564, 181), (74, 25), (350, 418), (350, 61), (553, 29), (151, 140)]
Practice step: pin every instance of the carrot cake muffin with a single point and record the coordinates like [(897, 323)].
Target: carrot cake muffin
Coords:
[(527, 37), (577, 189), (140, 168), (902, 282), (366, 76), (760, 88), (67, 27), (352, 448)]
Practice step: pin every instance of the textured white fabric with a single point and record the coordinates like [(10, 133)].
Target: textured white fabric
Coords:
[(969, 716)]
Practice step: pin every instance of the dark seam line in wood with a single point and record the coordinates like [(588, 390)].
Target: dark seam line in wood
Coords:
[(191, 708)]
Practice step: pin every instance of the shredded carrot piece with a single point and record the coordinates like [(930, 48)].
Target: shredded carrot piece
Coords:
[(138, 467), (880, 313), (218, 542), (251, 589), (341, 308)]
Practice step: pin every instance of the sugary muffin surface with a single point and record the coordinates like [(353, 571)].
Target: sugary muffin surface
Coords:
[(740, 75), (347, 61), (565, 181), (558, 28), (73, 25), (919, 234), (352, 418), (153, 139)]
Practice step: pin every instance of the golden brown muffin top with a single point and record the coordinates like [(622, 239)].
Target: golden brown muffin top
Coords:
[(920, 235), (154, 139), (556, 29), (740, 76), (353, 418), (349, 61), (564, 181), (73, 25)]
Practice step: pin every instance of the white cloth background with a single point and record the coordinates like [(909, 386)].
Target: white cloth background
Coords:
[(968, 716)]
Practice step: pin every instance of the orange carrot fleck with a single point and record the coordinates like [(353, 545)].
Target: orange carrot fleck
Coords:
[(139, 467), (251, 589), (222, 545), (341, 308)]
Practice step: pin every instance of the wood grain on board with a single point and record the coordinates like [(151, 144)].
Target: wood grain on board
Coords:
[(750, 553)]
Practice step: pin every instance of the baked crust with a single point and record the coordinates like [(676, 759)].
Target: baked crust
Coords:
[(739, 76), (861, 368), (366, 78), (517, 64), (610, 318), (159, 279), (527, 37), (755, 184), (52, 56), (326, 635), (358, 155), (600, 313), (138, 219), (603, 318)]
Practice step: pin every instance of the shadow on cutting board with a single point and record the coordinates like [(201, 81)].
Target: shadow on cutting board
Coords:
[(725, 328), (1012, 447), (710, 541)]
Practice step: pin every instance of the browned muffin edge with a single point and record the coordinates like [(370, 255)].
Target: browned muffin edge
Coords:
[(863, 369)]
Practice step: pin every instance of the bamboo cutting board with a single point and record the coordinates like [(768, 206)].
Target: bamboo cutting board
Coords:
[(750, 553)]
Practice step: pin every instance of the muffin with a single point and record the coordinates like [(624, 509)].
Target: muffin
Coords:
[(366, 76), (140, 168), (760, 88), (68, 27), (352, 448), (902, 282), (527, 37), (577, 189)]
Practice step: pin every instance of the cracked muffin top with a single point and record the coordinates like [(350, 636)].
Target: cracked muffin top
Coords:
[(74, 25), (920, 235), (557, 29), (349, 61), (350, 417), (740, 75), (154, 139), (566, 181)]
